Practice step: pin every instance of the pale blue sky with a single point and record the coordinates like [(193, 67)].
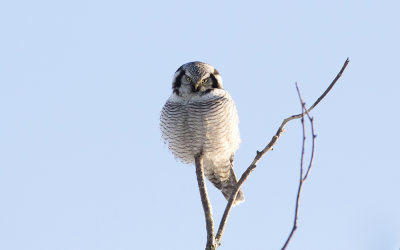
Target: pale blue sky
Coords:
[(82, 83)]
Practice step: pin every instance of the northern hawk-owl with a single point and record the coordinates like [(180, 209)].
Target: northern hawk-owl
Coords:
[(201, 117)]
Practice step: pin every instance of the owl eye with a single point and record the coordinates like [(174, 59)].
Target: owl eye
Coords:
[(188, 79)]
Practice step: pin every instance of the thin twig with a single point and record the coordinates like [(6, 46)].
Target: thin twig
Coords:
[(206, 203), (312, 147), (302, 179), (267, 148)]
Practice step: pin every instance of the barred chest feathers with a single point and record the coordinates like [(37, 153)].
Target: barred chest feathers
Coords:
[(206, 122)]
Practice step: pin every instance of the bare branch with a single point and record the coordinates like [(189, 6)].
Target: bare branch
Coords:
[(267, 148), (206, 203), (322, 96)]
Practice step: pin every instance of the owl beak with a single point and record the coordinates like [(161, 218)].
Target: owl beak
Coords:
[(196, 86)]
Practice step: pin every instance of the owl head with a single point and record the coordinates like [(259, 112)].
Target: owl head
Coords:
[(196, 78)]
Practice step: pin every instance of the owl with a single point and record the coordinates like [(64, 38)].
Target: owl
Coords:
[(201, 117)]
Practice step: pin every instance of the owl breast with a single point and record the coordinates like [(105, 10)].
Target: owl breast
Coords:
[(205, 124)]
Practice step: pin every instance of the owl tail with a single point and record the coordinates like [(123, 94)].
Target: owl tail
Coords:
[(229, 186), (226, 186)]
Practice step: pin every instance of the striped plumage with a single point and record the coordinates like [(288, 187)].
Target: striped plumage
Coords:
[(201, 117)]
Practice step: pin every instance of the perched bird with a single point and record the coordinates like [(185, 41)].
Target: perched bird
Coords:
[(201, 117)]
